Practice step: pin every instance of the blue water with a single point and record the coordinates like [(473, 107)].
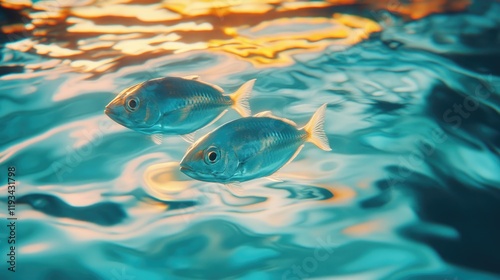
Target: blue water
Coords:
[(409, 191)]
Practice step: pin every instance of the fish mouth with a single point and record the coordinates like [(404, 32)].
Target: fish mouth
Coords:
[(108, 110), (112, 114), (189, 172), (184, 168)]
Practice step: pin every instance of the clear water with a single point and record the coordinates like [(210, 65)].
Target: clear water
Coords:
[(410, 190)]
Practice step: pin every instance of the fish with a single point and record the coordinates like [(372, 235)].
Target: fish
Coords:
[(175, 105), (251, 147)]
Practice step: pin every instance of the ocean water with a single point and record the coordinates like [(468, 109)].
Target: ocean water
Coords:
[(409, 191)]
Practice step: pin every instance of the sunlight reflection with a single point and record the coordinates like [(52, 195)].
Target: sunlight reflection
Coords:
[(165, 181), (364, 228), (86, 26), (146, 13), (183, 26), (35, 248)]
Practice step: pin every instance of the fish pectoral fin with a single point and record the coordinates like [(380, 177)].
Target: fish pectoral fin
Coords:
[(269, 114), (178, 114), (182, 114), (192, 77), (157, 138), (188, 137)]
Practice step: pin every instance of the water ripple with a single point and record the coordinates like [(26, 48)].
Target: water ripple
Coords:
[(410, 190)]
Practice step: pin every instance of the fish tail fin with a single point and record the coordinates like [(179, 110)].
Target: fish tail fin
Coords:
[(315, 131), (240, 98)]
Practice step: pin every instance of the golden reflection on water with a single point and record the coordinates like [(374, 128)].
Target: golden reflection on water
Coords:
[(364, 228), (165, 181), (275, 48), (145, 13), (218, 7), (88, 32)]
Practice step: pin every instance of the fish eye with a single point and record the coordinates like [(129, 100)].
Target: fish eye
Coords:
[(132, 104), (212, 155)]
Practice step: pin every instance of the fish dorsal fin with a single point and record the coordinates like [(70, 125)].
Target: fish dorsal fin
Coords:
[(268, 114), (192, 77)]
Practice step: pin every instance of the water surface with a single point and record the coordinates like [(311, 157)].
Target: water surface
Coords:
[(409, 191)]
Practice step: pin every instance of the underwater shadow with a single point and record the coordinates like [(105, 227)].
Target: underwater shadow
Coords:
[(103, 213), (472, 211)]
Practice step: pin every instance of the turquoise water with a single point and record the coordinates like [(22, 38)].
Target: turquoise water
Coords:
[(409, 191)]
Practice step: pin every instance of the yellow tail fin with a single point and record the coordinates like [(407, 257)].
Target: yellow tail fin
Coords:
[(240, 98), (315, 131)]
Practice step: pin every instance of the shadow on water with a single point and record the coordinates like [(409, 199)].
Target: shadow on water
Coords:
[(102, 213), (471, 211), (466, 115), (465, 209)]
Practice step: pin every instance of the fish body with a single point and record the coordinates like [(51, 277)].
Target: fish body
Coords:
[(174, 105), (249, 148)]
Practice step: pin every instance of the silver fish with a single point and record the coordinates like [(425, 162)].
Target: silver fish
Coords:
[(252, 147), (174, 105)]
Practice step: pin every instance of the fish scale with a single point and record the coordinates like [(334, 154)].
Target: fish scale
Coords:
[(264, 149), (251, 147), (173, 105), (277, 142)]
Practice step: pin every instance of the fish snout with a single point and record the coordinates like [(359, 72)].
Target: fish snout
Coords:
[(114, 112), (111, 112), (113, 106), (184, 166), (107, 110)]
